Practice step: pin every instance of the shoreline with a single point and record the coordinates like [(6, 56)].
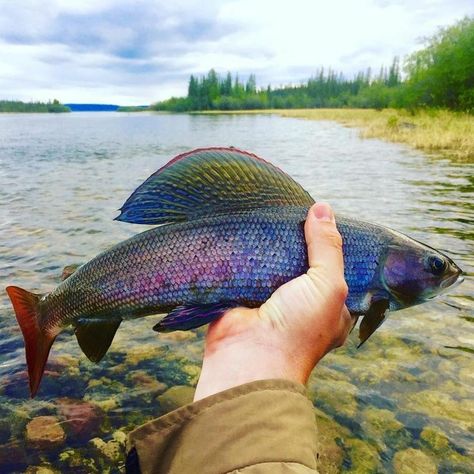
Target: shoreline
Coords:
[(441, 132)]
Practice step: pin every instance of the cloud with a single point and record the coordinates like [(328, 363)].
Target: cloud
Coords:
[(128, 51)]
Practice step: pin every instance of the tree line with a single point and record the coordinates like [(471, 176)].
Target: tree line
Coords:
[(43, 107), (439, 75)]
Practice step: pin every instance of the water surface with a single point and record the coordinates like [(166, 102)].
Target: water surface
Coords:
[(62, 179)]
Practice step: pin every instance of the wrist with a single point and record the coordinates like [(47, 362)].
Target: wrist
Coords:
[(240, 356), (223, 372)]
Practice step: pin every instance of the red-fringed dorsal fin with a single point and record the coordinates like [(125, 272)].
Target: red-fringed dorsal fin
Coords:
[(37, 342), (211, 181)]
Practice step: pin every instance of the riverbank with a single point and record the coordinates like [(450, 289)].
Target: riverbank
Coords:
[(432, 131)]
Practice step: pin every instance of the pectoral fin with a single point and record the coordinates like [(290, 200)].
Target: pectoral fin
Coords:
[(373, 318), (191, 316), (95, 338)]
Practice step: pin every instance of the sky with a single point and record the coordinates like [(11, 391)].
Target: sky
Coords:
[(137, 52)]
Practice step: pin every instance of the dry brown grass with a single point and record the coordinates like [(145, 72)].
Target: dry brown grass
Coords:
[(432, 131)]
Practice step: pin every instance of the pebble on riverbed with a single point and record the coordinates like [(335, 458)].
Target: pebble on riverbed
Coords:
[(149, 386), (112, 451), (176, 397), (45, 432), (83, 419)]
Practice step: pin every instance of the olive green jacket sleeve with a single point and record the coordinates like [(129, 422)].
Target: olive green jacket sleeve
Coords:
[(263, 427)]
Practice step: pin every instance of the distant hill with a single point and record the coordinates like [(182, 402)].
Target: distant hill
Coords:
[(92, 107)]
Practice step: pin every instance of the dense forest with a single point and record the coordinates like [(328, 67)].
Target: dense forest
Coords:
[(439, 75), (43, 107)]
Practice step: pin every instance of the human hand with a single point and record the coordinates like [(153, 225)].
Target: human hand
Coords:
[(286, 337)]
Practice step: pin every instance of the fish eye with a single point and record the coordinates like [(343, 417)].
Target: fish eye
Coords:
[(437, 265)]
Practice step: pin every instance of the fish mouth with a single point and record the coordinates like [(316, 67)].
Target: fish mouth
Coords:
[(455, 279), (452, 281)]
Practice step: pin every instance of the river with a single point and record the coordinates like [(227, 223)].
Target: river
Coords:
[(406, 396)]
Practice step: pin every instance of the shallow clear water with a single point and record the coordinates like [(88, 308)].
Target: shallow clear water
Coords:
[(62, 178)]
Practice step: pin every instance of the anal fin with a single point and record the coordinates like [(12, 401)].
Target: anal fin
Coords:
[(191, 316), (95, 338), (373, 318)]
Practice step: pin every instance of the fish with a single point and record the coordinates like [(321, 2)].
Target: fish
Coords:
[(228, 232)]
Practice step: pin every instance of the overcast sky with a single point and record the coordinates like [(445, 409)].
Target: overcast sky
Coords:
[(137, 52)]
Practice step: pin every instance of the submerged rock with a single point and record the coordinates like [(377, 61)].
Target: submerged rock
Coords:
[(323, 372), (78, 461), (456, 463), (382, 425), (413, 461), (45, 432), (192, 371), (434, 440), (111, 451), (47, 469), (176, 397), (120, 437), (330, 453), (439, 404), (336, 397), (83, 418), (146, 383), (364, 458), (138, 354), (177, 336)]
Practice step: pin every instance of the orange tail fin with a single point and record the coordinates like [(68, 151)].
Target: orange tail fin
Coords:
[(37, 342)]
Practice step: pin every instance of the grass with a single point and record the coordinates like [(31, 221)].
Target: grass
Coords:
[(432, 131)]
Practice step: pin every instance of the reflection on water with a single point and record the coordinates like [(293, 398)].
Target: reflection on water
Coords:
[(406, 395)]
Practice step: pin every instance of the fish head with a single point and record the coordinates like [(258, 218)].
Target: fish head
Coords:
[(414, 272)]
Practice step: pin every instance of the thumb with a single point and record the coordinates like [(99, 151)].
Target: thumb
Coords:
[(324, 241)]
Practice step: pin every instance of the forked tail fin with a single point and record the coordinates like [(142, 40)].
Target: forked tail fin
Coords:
[(37, 342)]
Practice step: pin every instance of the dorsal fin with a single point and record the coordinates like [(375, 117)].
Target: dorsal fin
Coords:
[(210, 181)]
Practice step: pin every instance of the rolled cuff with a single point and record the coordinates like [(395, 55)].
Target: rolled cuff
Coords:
[(268, 421)]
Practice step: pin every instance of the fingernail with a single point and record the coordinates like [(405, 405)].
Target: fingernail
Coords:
[(323, 212)]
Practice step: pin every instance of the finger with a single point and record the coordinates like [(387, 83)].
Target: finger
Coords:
[(323, 240)]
